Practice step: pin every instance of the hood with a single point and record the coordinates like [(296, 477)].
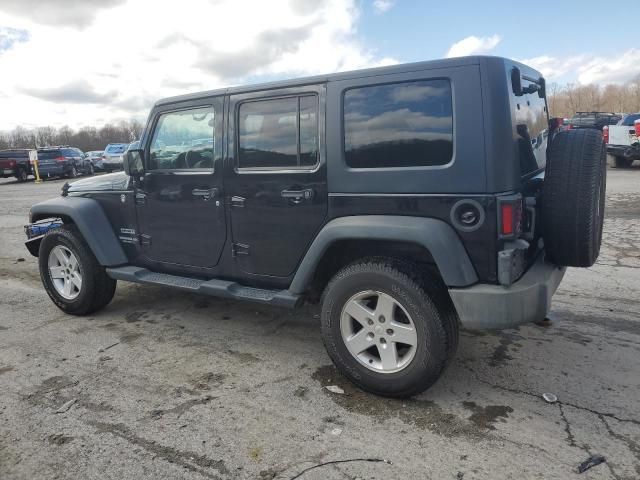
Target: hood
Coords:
[(104, 183)]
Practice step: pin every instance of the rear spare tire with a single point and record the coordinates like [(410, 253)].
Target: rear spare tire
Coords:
[(573, 196)]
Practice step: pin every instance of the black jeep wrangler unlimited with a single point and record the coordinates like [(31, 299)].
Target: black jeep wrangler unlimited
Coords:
[(407, 200)]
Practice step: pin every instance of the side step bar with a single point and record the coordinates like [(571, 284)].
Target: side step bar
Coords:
[(215, 288)]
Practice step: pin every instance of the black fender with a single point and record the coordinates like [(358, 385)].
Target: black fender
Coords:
[(435, 235), (92, 222)]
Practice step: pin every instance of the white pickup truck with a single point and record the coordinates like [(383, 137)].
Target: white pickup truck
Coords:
[(622, 141)]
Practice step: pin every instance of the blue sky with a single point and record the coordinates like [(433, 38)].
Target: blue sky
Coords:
[(114, 58), (413, 30)]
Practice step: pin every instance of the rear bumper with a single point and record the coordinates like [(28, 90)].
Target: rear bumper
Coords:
[(495, 306), (52, 170), (626, 151)]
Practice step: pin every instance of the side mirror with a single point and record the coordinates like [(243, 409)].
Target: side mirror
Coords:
[(133, 163)]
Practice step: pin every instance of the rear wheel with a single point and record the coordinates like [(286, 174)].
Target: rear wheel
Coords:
[(620, 162), (384, 330), (22, 175), (71, 275), (573, 197)]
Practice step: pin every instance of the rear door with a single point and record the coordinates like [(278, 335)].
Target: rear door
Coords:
[(276, 177), (181, 221)]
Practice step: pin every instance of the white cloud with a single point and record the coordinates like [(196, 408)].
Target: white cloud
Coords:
[(381, 6), (473, 46), (128, 55), (588, 69)]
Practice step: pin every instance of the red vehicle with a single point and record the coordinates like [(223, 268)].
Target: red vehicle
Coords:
[(17, 163)]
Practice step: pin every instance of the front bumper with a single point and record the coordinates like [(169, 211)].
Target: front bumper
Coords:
[(495, 306)]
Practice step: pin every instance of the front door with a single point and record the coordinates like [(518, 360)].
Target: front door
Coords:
[(277, 188), (179, 204)]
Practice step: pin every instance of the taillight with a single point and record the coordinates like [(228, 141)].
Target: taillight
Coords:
[(60, 159), (569, 127), (636, 124), (510, 221), (605, 133)]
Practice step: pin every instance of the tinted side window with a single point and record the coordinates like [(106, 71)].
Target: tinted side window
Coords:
[(406, 124), (183, 140), (278, 133)]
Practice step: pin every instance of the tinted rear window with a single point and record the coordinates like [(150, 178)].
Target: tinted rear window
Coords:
[(116, 148), (630, 119), (48, 154), (10, 154), (532, 123), (407, 124)]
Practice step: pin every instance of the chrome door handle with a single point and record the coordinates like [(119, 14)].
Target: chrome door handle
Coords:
[(298, 196), (205, 193)]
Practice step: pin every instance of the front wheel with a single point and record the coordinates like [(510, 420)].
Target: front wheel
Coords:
[(70, 273), (387, 327)]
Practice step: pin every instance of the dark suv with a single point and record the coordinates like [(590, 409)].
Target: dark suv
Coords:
[(406, 200), (63, 161)]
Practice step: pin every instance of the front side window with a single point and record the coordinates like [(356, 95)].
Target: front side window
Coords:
[(406, 124), (183, 140), (278, 133)]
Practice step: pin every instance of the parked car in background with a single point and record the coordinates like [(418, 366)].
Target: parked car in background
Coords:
[(623, 141), (113, 155), (595, 120), (17, 163), (95, 157), (63, 161)]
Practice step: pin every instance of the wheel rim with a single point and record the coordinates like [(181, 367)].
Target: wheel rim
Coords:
[(378, 331), (65, 273)]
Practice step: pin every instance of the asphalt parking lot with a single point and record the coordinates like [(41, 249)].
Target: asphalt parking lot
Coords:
[(170, 385)]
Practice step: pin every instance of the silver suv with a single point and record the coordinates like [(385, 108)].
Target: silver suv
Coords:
[(113, 156)]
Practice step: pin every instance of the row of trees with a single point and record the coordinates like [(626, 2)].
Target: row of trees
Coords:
[(86, 138), (565, 100)]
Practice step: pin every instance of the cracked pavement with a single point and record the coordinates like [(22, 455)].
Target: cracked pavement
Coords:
[(171, 385)]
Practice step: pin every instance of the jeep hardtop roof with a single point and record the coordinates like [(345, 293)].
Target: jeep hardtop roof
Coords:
[(367, 72)]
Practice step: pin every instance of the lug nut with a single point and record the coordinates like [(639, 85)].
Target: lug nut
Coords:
[(381, 319), (383, 341), (369, 321), (389, 331), (370, 336)]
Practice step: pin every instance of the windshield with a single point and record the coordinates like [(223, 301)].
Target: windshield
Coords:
[(119, 148)]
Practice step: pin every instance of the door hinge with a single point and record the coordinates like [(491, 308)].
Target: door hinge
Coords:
[(140, 198), (239, 249), (144, 239)]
